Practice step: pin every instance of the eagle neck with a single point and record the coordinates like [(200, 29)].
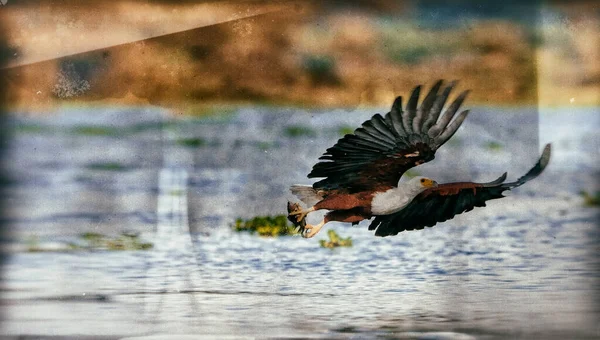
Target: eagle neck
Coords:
[(394, 199)]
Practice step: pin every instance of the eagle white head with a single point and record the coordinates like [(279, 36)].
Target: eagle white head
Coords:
[(419, 184), (423, 182)]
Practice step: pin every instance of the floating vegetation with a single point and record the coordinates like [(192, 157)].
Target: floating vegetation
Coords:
[(176, 192), (295, 131), (493, 146), (345, 130), (147, 126), (264, 145), (271, 226), (125, 241), (31, 128), (89, 130), (191, 142), (104, 130), (590, 200), (335, 240), (95, 130), (33, 244), (107, 166), (91, 241)]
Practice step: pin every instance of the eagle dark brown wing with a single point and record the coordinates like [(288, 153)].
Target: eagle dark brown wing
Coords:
[(383, 148), (447, 200)]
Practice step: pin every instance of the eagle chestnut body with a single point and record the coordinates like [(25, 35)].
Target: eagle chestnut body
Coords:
[(366, 204)]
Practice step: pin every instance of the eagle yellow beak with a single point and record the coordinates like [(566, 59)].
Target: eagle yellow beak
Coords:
[(428, 183)]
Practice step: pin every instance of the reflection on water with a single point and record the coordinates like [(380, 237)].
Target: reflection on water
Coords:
[(526, 266)]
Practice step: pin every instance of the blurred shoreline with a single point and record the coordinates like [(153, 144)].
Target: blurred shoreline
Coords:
[(298, 54)]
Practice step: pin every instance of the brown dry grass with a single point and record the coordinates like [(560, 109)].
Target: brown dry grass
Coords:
[(329, 58)]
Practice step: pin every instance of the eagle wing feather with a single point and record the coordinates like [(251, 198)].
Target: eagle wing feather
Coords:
[(376, 154), (447, 200)]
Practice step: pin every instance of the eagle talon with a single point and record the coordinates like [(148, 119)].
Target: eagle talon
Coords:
[(306, 230), (312, 230), (301, 214)]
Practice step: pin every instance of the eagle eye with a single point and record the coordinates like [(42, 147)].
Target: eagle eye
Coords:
[(422, 180)]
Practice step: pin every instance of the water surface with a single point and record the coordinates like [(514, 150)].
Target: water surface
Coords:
[(525, 267)]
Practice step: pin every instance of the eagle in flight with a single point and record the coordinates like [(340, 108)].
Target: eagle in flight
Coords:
[(361, 172)]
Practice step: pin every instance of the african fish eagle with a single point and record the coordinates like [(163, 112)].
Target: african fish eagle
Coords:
[(362, 171)]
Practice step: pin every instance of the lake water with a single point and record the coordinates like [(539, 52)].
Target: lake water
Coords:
[(526, 266)]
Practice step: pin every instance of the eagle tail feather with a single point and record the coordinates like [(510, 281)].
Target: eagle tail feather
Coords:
[(307, 194)]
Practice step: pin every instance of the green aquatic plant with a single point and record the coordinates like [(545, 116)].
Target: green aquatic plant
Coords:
[(147, 126), (299, 131), (264, 145), (106, 166), (590, 200), (176, 192), (33, 244), (110, 131), (191, 142), (335, 240), (124, 241), (92, 241), (271, 226), (31, 128), (345, 130), (493, 146), (95, 130)]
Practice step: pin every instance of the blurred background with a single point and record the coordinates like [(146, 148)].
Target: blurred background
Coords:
[(303, 53), (135, 134)]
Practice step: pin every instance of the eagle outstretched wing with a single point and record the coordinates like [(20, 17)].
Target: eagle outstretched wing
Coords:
[(447, 200), (383, 148)]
